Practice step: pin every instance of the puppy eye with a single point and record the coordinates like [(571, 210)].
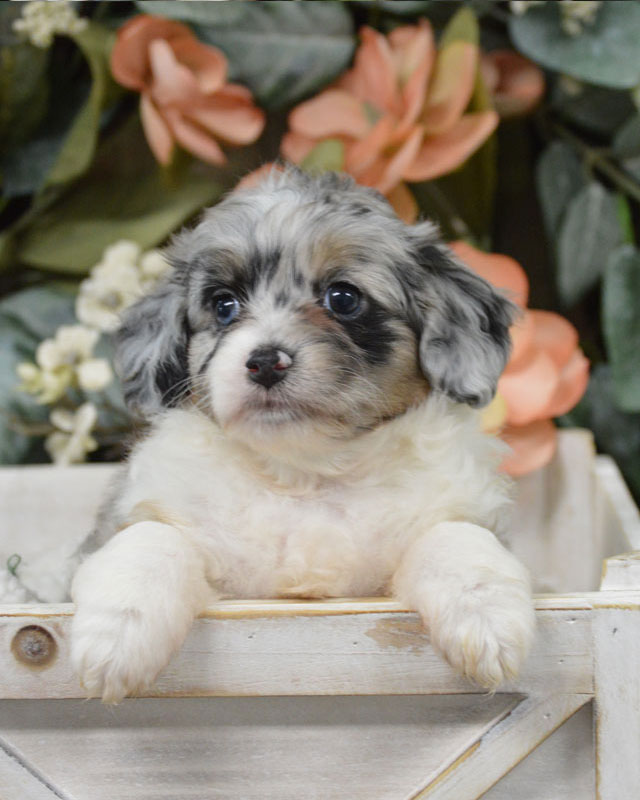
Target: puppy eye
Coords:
[(227, 308), (343, 299)]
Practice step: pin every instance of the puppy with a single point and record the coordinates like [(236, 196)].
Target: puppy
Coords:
[(311, 368)]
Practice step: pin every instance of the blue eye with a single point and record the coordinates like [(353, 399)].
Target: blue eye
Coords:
[(227, 308), (343, 299)]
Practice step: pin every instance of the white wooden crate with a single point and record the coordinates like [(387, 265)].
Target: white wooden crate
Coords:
[(346, 699)]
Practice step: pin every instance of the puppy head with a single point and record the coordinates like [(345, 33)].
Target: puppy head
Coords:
[(306, 304)]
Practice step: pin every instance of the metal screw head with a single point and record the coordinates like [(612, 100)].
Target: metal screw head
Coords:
[(34, 646)]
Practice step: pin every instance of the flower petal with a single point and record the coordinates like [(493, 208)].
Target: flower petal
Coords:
[(533, 446), (129, 56), (442, 154), (574, 379), (522, 340), (397, 164), (156, 130), (451, 86), (295, 147), (194, 139), (258, 175), (359, 155), (373, 77), (501, 271), (235, 121), (404, 203), (414, 52), (172, 82), (333, 112), (516, 84), (528, 390), (555, 335), (208, 64)]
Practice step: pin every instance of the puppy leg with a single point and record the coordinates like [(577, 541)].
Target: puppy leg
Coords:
[(474, 598), (135, 601)]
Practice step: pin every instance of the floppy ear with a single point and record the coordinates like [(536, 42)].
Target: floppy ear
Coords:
[(464, 321), (151, 350)]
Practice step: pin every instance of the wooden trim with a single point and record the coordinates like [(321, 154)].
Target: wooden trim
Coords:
[(21, 782), (362, 653), (509, 741)]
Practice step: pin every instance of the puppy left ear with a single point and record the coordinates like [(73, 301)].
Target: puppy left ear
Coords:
[(465, 342)]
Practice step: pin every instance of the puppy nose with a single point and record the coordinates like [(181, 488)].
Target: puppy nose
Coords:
[(268, 365)]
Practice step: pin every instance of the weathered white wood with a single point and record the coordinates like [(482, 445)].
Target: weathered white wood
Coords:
[(621, 572), (19, 782), (553, 530), (245, 649), (317, 748), (560, 768), (501, 748), (617, 683)]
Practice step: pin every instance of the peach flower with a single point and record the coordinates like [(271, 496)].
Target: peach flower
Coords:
[(515, 83), (546, 375), (399, 113), (184, 94)]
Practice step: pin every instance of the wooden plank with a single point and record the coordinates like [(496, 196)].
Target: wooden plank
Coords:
[(501, 748), (261, 748), (245, 649), (19, 781), (617, 684)]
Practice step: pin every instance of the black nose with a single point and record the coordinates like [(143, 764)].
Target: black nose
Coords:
[(267, 366)]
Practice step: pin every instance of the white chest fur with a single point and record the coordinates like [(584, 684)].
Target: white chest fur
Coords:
[(334, 526)]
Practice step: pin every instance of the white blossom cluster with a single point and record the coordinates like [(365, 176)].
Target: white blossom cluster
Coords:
[(41, 20), (575, 15), (124, 274)]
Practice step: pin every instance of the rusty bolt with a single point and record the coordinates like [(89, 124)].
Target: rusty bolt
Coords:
[(34, 646)]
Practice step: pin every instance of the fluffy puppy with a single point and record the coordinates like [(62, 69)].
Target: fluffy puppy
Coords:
[(311, 368)]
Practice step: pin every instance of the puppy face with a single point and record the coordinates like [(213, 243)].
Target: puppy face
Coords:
[(305, 304)]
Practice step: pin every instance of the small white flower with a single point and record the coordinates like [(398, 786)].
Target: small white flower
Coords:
[(578, 14), (520, 7), (153, 265), (42, 20), (72, 441), (71, 345), (59, 364), (94, 374), (123, 275)]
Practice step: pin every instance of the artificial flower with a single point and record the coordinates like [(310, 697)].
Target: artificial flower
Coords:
[(72, 441), (398, 115), (516, 84), (63, 362), (547, 373), (120, 278), (41, 20), (185, 98)]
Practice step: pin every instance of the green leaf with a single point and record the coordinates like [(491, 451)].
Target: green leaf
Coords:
[(626, 143), (325, 156), (283, 51), (560, 176), (125, 195), (78, 149), (402, 8), (463, 26), (589, 232), (201, 12), (23, 92), (595, 109), (621, 324), (606, 53), (26, 318)]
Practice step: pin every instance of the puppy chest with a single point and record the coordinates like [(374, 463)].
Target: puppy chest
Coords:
[(284, 546)]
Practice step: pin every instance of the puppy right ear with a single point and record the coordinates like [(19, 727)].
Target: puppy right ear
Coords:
[(152, 350)]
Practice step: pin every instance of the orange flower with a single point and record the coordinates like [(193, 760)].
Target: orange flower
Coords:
[(546, 375), (515, 83), (184, 94), (398, 113)]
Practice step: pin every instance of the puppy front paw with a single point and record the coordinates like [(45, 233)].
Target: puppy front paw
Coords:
[(486, 632), (116, 653)]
